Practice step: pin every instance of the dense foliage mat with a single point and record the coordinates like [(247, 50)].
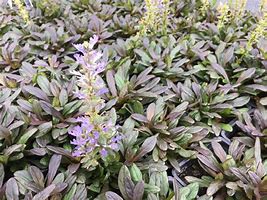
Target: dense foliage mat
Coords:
[(188, 96)]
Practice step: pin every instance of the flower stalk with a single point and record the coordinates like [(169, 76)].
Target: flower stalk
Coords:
[(95, 136)]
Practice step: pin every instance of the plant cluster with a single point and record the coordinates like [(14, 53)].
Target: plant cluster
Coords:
[(134, 100)]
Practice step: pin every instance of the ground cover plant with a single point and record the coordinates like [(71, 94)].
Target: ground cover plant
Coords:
[(133, 100)]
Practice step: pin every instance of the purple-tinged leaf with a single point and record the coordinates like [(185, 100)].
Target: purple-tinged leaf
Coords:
[(238, 174), (214, 187), (257, 87), (61, 151), (123, 175), (240, 101), (139, 117), (59, 188), (111, 83), (48, 108), (151, 111), (12, 190), (53, 167), (139, 191), (37, 175), (207, 162), (258, 151), (148, 145), (15, 125), (254, 178), (73, 167), (149, 85), (112, 196), (218, 150), (246, 74), (45, 193), (142, 77), (228, 55), (36, 92), (219, 69), (197, 89), (36, 151), (25, 105), (129, 187)]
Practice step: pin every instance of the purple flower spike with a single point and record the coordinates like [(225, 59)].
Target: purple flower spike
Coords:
[(93, 41), (80, 59), (80, 48), (102, 91), (77, 153), (96, 135), (80, 95), (114, 146), (75, 131), (103, 152), (95, 56), (79, 141), (99, 68)]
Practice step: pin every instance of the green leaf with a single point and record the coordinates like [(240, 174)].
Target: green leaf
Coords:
[(174, 52), (186, 153), (44, 84), (193, 187), (26, 136), (63, 97), (137, 107), (44, 128), (144, 56), (119, 81), (72, 107), (71, 193), (151, 188), (226, 127), (136, 173)]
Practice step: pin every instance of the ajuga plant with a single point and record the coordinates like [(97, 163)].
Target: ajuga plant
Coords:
[(240, 171), (95, 137), (177, 112)]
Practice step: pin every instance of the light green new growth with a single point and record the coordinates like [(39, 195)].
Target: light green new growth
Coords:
[(22, 10)]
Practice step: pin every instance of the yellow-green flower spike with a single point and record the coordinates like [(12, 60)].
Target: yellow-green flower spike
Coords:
[(22, 10), (224, 15), (260, 31)]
